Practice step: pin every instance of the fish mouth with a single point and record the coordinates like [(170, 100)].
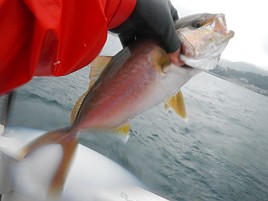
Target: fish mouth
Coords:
[(202, 45), (220, 27), (214, 27), (186, 66)]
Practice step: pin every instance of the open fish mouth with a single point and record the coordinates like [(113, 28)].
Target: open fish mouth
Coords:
[(219, 24), (204, 40), (220, 27)]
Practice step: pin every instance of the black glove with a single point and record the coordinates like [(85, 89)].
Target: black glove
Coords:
[(152, 19)]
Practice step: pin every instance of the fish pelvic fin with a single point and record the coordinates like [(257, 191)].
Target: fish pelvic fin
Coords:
[(67, 138), (176, 102), (122, 132)]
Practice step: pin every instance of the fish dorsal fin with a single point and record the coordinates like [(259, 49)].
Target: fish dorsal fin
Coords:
[(176, 102), (77, 106), (96, 68), (122, 132), (160, 59)]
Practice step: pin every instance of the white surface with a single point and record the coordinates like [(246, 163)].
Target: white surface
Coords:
[(1, 129), (91, 177)]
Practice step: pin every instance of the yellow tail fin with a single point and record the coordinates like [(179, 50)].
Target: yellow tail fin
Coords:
[(67, 138)]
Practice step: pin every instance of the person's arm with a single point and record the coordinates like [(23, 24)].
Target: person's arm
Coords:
[(153, 19)]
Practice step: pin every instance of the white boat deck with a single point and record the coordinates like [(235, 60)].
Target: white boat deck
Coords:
[(92, 176)]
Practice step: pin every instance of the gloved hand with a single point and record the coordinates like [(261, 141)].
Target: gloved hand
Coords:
[(152, 19)]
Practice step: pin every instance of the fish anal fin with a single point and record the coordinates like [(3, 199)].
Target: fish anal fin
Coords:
[(176, 102), (122, 132)]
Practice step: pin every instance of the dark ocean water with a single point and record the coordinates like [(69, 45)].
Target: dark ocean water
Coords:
[(220, 153)]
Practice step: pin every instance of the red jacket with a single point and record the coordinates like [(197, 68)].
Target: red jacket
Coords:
[(53, 37)]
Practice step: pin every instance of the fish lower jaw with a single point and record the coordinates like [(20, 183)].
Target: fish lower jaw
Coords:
[(229, 34)]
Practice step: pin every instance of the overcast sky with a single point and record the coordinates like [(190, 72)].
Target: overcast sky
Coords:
[(248, 19)]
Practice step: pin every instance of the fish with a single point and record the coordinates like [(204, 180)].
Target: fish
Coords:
[(136, 79)]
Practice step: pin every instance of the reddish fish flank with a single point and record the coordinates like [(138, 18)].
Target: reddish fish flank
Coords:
[(121, 89)]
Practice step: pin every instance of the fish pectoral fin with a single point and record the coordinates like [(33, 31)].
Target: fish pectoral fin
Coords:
[(96, 68), (67, 138), (177, 104), (160, 59), (122, 132)]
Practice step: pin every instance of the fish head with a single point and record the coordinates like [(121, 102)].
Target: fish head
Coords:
[(203, 38)]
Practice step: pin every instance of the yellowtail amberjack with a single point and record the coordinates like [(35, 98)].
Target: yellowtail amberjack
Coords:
[(134, 80)]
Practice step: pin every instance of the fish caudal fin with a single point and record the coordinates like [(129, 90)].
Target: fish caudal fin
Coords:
[(67, 138), (176, 102)]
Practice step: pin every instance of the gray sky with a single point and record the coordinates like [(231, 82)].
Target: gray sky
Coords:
[(248, 19)]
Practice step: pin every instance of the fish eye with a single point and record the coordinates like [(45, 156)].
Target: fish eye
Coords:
[(198, 24)]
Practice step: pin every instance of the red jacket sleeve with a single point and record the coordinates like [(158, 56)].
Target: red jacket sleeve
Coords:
[(53, 37)]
